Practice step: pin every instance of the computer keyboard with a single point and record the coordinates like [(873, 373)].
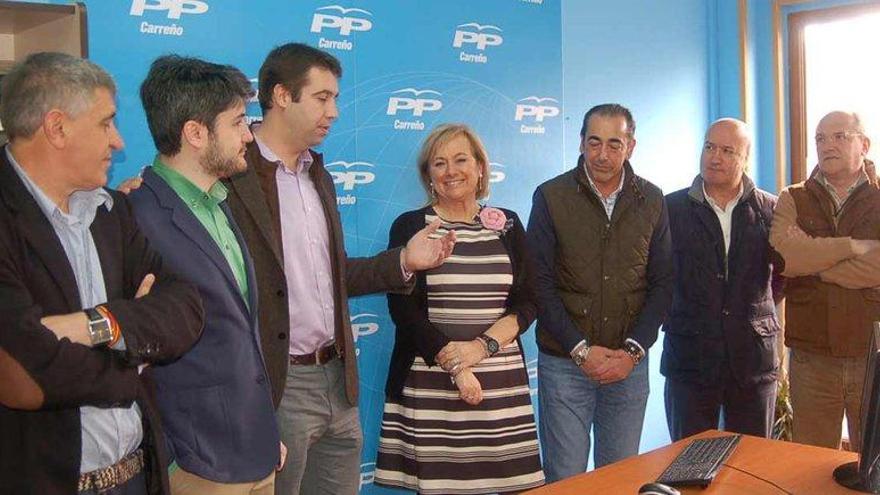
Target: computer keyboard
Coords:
[(698, 463)]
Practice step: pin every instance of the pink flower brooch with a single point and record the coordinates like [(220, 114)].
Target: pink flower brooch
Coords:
[(495, 219)]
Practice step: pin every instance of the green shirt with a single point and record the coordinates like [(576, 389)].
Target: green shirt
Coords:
[(206, 207)]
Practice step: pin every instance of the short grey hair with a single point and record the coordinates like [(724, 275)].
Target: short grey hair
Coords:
[(46, 81)]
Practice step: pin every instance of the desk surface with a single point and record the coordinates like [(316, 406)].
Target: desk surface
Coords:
[(799, 469)]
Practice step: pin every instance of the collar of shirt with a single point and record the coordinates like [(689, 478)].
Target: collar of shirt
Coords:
[(729, 205), (863, 177), (189, 192), (82, 204), (304, 161), (611, 197)]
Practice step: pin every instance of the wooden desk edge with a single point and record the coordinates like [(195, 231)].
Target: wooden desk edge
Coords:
[(801, 469)]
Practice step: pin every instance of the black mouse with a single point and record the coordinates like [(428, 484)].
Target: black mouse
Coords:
[(657, 489)]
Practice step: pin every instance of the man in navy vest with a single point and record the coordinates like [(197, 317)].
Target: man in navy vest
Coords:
[(216, 400), (719, 353)]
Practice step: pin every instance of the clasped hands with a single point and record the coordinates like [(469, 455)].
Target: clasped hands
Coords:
[(606, 365), (457, 358)]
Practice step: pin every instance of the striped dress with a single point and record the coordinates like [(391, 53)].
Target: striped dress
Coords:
[(432, 441)]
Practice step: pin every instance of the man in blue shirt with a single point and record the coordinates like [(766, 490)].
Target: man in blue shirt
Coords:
[(84, 301)]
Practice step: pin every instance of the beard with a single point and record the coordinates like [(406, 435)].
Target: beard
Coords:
[(216, 164)]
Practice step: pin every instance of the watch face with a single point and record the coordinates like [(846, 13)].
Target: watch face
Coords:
[(491, 345), (100, 331)]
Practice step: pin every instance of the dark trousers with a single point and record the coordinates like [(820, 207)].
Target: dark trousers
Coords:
[(135, 486), (693, 407)]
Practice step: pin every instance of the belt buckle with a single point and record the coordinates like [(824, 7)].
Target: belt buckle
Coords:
[(318, 353)]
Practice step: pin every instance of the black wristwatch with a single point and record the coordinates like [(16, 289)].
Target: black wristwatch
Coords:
[(100, 328), (492, 346)]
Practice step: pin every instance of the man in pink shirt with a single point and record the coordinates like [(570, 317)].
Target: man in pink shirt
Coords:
[(285, 204)]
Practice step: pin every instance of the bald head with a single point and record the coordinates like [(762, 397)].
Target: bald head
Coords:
[(725, 154), (736, 129), (841, 146)]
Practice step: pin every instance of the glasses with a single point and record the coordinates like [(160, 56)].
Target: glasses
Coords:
[(837, 138), (613, 144), (726, 151)]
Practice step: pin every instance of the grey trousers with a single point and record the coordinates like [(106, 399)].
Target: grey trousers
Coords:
[(322, 433)]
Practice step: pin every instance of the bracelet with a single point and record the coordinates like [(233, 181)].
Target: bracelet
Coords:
[(115, 331), (484, 345), (634, 352)]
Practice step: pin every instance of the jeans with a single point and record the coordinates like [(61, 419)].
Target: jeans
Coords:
[(571, 404)]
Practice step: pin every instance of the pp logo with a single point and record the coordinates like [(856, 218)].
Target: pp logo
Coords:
[(351, 178), (416, 105), (535, 109), (363, 324), (477, 36), (175, 8), (495, 172), (342, 22), (368, 473)]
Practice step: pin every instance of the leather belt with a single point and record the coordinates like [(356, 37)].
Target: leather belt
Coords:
[(113, 476), (319, 357)]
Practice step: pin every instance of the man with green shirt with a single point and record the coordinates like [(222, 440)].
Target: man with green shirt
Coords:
[(216, 400)]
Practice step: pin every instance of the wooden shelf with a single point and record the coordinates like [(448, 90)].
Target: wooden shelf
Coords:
[(27, 27)]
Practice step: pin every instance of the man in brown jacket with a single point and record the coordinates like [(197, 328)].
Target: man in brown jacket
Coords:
[(826, 231), (285, 205)]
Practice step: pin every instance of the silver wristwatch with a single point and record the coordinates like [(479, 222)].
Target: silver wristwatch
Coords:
[(100, 329), (580, 353)]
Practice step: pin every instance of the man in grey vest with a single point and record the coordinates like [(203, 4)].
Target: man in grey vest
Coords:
[(600, 239)]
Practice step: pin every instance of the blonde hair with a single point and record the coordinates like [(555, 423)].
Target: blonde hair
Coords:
[(439, 137)]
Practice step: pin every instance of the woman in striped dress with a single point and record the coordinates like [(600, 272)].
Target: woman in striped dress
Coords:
[(458, 414)]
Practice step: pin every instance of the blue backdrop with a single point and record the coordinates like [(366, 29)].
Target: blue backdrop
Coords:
[(407, 66)]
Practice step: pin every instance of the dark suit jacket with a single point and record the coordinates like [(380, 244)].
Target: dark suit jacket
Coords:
[(415, 335), (40, 450), (255, 208), (215, 401)]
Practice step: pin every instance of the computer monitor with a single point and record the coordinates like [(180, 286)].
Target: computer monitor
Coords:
[(864, 475)]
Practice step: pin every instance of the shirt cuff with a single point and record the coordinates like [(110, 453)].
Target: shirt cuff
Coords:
[(407, 275)]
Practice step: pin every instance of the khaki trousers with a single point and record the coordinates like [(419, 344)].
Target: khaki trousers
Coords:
[(823, 388), (184, 483)]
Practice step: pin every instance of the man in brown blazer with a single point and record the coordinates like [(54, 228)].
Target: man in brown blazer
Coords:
[(84, 301), (285, 205)]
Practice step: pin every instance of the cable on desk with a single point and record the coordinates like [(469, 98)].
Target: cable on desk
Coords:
[(783, 490)]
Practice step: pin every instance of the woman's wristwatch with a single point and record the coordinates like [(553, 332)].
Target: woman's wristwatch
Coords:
[(491, 345)]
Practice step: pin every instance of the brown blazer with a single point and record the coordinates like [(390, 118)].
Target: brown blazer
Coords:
[(40, 451), (254, 204)]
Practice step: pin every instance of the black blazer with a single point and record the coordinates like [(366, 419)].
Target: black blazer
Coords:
[(40, 450), (415, 335)]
